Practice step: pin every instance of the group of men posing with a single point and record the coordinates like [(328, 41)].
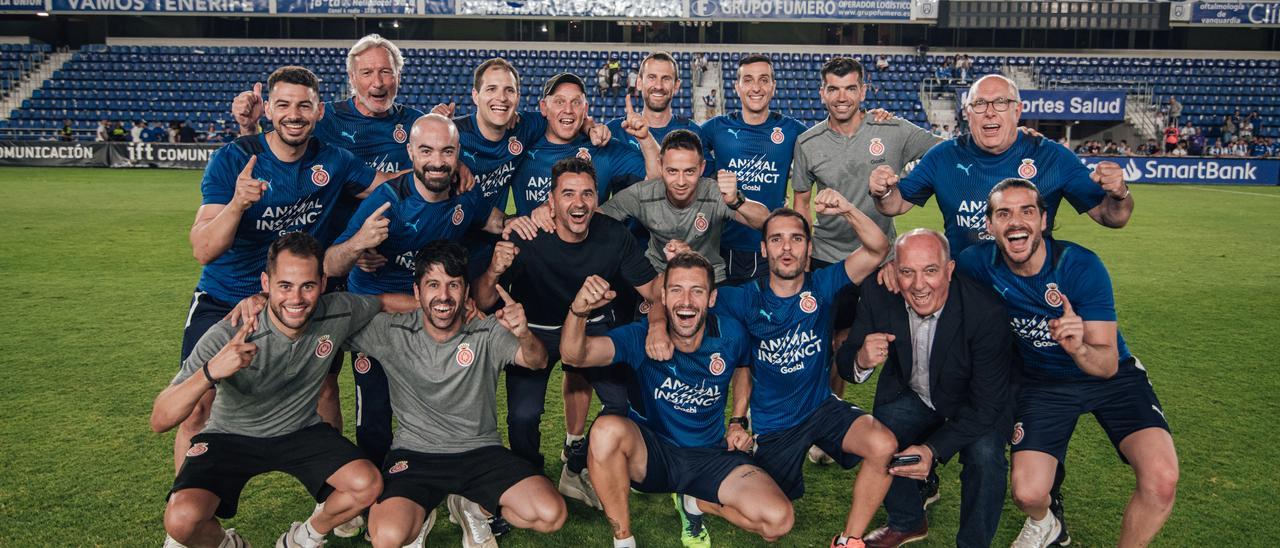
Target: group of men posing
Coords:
[(364, 225)]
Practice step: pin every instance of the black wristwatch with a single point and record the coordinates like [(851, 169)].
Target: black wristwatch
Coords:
[(745, 422), (738, 203)]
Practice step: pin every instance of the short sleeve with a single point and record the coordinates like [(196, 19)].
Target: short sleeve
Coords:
[(363, 308), (501, 345), (623, 205), (219, 182), (357, 176), (916, 142), (1077, 186), (718, 206), (372, 338), (801, 178), (917, 186), (206, 348), (628, 343), (628, 162), (970, 264), (705, 131), (830, 279), (476, 208), (367, 207), (732, 302), (531, 127), (1089, 290)]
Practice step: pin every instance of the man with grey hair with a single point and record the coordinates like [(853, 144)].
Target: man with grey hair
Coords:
[(944, 390)]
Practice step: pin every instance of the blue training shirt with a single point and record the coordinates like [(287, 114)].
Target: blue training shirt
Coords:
[(300, 196), (1070, 270), (658, 133), (760, 155), (961, 175), (413, 223), (791, 338), (617, 166), (685, 396), (494, 162)]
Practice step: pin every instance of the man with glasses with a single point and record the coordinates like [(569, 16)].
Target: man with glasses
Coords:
[(963, 171)]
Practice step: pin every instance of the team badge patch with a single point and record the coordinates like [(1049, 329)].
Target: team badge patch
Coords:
[(1052, 296), (465, 355), (1028, 168), (700, 223), (645, 307), (400, 135), (717, 364), (808, 303), (399, 466), (324, 347), (457, 215), (514, 146), (319, 176), (876, 148), (362, 363), (198, 449), (777, 137), (584, 153), (1017, 434)]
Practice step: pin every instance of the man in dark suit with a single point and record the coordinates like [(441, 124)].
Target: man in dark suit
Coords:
[(947, 353)]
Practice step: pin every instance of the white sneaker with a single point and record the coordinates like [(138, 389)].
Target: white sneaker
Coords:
[(170, 543), (233, 540), (578, 487), (1037, 536), (349, 529), (287, 539), (421, 540), (818, 456), (474, 524)]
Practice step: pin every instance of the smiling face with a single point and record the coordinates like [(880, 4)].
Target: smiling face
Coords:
[(293, 111), (755, 86), (994, 131), (375, 81), (441, 297), (842, 95), (565, 109), (658, 84), (573, 200), (687, 294), (923, 272), (1018, 225), (786, 245), (681, 169), (433, 149), (293, 288), (497, 97)]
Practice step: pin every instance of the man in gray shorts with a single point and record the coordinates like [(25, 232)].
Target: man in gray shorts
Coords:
[(684, 206), (443, 376), (264, 418)]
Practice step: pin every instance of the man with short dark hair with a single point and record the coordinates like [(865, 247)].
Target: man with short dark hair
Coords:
[(264, 418), (658, 86)]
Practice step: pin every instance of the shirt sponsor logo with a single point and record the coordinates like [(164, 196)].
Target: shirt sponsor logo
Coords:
[(1017, 434), (789, 351), (1033, 330), (1028, 168), (399, 466), (324, 347), (458, 215), (685, 397), (584, 153), (700, 223), (319, 176), (777, 137), (400, 135), (514, 146), (808, 303), (1052, 296), (362, 363), (465, 356), (717, 364), (198, 449), (876, 148)]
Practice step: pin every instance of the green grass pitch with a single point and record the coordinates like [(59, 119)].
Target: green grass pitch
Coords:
[(96, 275)]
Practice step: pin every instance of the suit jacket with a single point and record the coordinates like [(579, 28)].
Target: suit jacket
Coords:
[(970, 364)]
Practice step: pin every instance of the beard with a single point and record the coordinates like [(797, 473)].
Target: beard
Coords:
[(436, 183)]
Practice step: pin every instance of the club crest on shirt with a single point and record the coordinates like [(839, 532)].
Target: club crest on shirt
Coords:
[(1017, 434), (584, 153), (400, 135), (876, 148), (514, 146), (777, 137), (808, 303), (717, 364), (645, 307), (324, 347), (198, 449), (457, 215), (465, 355), (1028, 168), (700, 223), (362, 363), (399, 466), (319, 176), (1052, 296)]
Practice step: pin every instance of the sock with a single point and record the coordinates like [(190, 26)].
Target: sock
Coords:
[(691, 505), (226, 541), (1048, 519), (843, 539), (570, 438), (629, 542), (307, 535)]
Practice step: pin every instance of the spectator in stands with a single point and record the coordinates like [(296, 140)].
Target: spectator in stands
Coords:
[(615, 66), (154, 134), (211, 135), (186, 134), (1216, 149), (1175, 110), (698, 68), (1082, 149), (964, 66), (103, 133), (118, 133), (66, 133), (1240, 148), (943, 72), (1123, 148), (1095, 148), (1111, 149), (615, 86), (1170, 137), (1150, 148), (1195, 145), (135, 134), (633, 78), (711, 102), (602, 79), (1228, 128), (1246, 128), (882, 62), (1260, 148), (1180, 150), (1187, 130)]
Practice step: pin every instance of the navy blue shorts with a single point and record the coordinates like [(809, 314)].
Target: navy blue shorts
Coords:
[(743, 266), (480, 475), (1047, 412), (224, 463), (693, 471), (782, 453), (205, 311)]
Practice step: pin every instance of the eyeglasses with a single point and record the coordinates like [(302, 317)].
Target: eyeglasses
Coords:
[(1001, 105)]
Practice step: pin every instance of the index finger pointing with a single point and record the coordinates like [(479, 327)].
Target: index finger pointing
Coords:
[(257, 90), (629, 109), (502, 294), (243, 333), (248, 167), (1066, 306), (381, 209)]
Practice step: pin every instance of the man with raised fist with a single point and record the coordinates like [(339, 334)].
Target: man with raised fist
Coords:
[(1063, 315)]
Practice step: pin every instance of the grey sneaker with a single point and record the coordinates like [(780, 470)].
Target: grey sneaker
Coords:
[(474, 524), (578, 487), (1037, 536)]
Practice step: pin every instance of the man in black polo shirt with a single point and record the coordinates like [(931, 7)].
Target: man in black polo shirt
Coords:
[(545, 274)]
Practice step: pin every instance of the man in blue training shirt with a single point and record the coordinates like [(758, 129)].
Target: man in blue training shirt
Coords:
[(1062, 311), (617, 165), (789, 316), (659, 85), (756, 145), (676, 443), (397, 220)]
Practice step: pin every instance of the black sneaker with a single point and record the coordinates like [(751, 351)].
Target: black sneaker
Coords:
[(499, 526), (1055, 506), (929, 490)]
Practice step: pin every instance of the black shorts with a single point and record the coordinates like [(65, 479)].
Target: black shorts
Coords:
[(481, 475), (224, 463), (1047, 412), (743, 266), (846, 299), (205, 311), (615, 384), (782, 453), (694, 471)]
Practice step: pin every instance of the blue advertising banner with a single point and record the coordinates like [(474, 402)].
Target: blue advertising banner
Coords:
[(866, 10), (193, 7), (1201, 171), (626, 9), (1236, 14), (365, 7), (1067, 104), (28, 6)]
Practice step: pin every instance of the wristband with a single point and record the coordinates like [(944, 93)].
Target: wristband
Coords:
[(208, 376), (1126, 195), (738, 202), (744, 421)]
